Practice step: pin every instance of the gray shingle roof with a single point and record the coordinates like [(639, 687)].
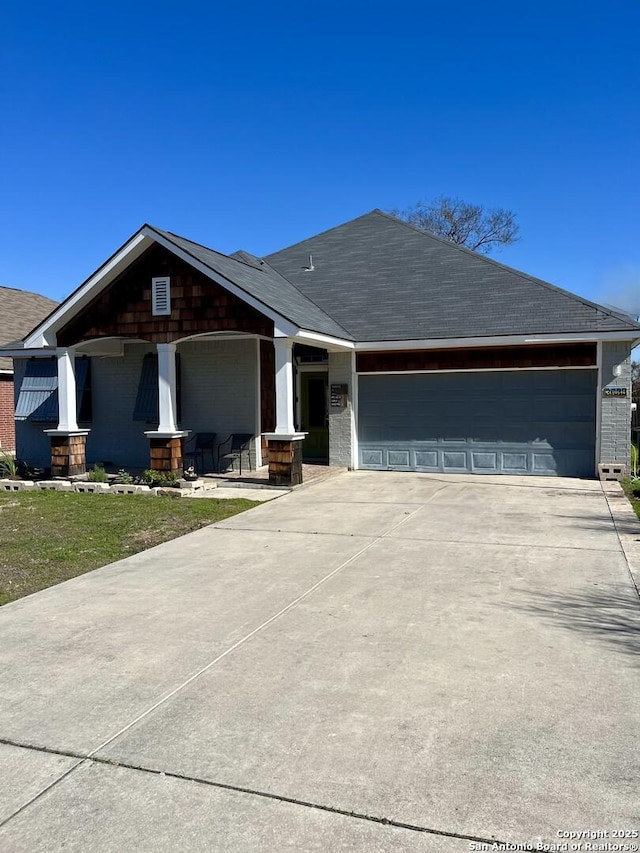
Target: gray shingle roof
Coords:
[(258, 279), (20, 312), (382, 279)]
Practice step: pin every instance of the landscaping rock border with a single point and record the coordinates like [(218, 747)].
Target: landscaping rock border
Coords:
[(82, 487)]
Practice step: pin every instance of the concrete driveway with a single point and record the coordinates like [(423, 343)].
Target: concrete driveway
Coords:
[(378, 662)]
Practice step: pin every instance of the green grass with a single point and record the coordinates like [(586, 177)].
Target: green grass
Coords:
[(49, 537), (632, 491)]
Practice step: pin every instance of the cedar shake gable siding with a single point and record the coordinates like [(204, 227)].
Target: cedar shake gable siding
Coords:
[(197, 305), (480, 358)]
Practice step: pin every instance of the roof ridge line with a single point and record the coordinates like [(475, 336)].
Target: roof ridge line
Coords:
[(27, 292), (519, 273), (321, 233), (208, 248)]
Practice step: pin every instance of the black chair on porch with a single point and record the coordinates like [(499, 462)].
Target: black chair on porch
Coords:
[(233, 447), (203, 443)]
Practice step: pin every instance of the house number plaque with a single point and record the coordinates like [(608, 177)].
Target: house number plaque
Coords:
[(338, 396), (615, 392)]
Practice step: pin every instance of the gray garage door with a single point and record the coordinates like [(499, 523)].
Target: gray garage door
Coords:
[(520, 422)]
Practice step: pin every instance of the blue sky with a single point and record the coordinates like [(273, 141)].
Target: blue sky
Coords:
[(256, 125)]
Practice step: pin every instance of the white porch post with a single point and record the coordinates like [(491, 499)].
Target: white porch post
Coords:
[(285, 444), (167, 442), (67, 408), (284, 385), (68, 442), (167, 387)]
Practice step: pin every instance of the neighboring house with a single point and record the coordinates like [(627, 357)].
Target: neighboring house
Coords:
[(19, 313), (371, 345)]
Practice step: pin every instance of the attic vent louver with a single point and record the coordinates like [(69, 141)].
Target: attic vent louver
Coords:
[(161, 296)]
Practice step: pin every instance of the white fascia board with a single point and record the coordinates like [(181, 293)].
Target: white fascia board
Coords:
[(326, 341), (289, 329), (35, 352), (498, 340), (283, 328), (45, 333)]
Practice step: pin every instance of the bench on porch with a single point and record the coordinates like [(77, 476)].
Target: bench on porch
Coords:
[(203, 443), (233, 447)]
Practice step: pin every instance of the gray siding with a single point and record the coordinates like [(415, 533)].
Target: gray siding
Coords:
[(503, 422), (219, 387), (115, 438), (340, 418), (615, 417), (218, 395)]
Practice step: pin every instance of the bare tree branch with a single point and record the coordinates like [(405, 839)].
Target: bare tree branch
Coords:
[(466, 224)]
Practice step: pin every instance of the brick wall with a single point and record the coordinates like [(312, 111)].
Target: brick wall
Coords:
[(340, 418), (7, 424), (615, 419)]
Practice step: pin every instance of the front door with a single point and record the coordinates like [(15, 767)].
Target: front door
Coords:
[(314, 418)]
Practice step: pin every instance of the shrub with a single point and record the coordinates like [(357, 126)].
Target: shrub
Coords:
[(159, 478), (124, 477), (8, 465), (97, 475)]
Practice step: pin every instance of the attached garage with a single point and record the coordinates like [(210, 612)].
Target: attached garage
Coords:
[(536, 422), (413, 354)]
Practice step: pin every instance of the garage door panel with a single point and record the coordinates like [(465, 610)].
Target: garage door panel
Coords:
[(529, 422)]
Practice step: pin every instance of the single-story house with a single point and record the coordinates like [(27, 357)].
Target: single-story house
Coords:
[(19, 312), (372, 345)]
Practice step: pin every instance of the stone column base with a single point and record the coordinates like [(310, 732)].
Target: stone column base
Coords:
[(68, 454), (285, 462), (167, 454)]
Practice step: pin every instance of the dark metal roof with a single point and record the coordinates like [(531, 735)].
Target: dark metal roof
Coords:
[(20, 312), (382, 279), (258, 279)]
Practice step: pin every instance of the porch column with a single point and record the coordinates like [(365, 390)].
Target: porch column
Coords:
[(167, 387), (68, 441), (285, 448), (284, 385), (67, 409), (167, 442)]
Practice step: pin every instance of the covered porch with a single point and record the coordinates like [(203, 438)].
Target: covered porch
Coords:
[(169, 340), (126, 403)]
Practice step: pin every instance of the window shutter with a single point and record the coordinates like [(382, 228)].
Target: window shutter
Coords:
[(161, 296), (38, 397), (146, 407)]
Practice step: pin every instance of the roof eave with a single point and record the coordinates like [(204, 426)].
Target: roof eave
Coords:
[(45, 334), (495, 340)]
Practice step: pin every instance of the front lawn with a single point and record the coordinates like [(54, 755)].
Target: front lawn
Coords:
[(49, 537), (632, 491)]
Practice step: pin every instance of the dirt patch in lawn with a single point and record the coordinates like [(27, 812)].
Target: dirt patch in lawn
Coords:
[(47, 537)]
